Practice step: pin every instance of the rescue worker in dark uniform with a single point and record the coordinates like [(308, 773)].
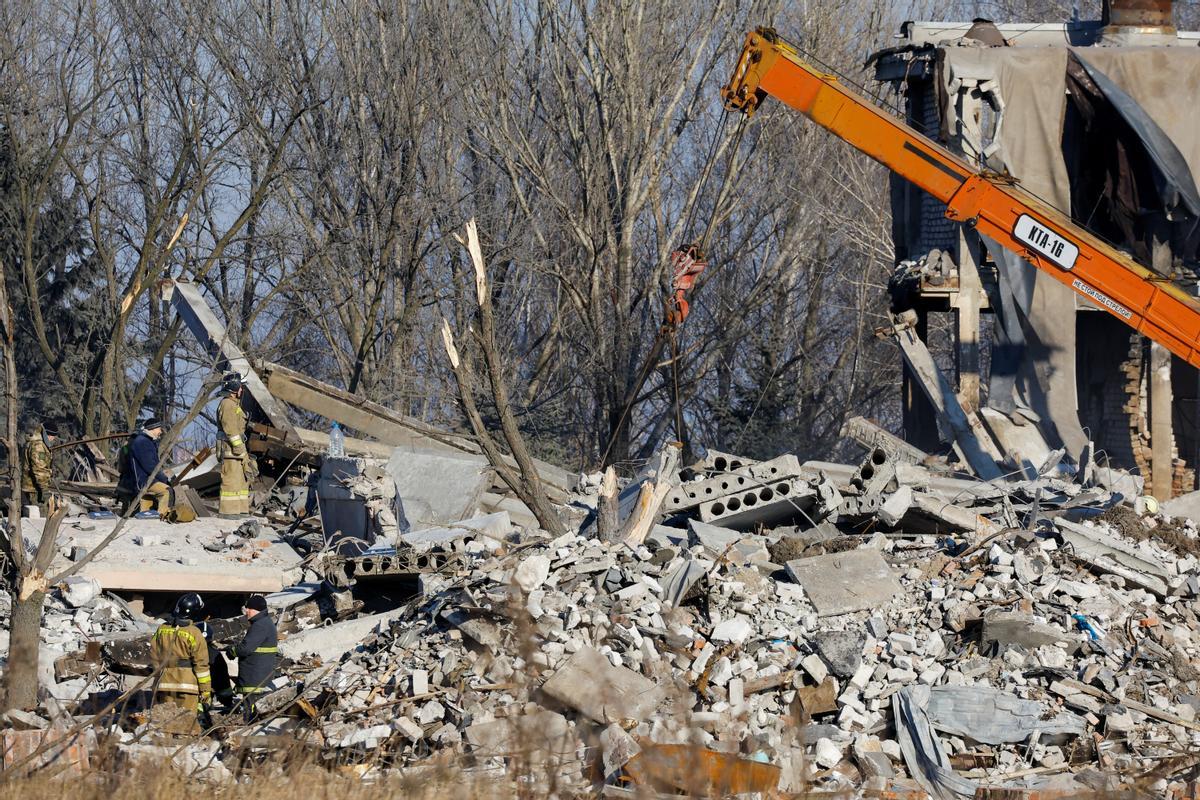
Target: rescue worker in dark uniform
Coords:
[(180, 654), (257, 653), (222, 686)]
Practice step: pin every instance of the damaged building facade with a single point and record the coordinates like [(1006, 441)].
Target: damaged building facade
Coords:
[(1095, 119)]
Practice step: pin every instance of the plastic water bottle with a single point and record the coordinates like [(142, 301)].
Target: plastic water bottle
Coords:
[(337, 442)]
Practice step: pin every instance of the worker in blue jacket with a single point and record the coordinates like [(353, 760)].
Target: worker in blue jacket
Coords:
[(141, 470)]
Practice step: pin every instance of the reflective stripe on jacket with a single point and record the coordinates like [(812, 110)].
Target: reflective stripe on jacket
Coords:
[(178, 649), (257, 654)]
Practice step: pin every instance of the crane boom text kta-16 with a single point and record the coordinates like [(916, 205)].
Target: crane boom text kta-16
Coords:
[(993, 204)]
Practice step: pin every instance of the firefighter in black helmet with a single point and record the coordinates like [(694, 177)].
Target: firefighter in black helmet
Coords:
[(180, 656)]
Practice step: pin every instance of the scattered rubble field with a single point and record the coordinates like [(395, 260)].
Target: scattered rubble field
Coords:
[(887, 628)]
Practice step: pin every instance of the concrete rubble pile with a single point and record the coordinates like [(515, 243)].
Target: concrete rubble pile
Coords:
[(884, 626)]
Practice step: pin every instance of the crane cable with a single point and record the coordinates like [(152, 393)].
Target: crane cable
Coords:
[(668, 329)]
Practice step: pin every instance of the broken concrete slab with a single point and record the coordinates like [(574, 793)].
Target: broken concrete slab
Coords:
[(495, 527), (838, 583), (735, 545), (331, 642), (155, 556), (946, 516), (871, 436), (438, 488), (591, 685), (773, 503), (538, 731), (1015, 627), (693, 493), (1106, 553)]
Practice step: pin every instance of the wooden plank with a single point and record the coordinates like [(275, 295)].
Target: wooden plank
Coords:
[(1133, 705)]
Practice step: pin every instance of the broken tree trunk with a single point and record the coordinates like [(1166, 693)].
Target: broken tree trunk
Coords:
[(21, 677), (607, 517), (524, 481), (654, 491)]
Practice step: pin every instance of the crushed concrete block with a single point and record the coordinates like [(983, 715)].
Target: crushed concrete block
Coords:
[(79, 591), (839, 583), (815, 667), (592, 686), (828, 754), (735, 630), (531, 573), (896, 506), (1014, 627)]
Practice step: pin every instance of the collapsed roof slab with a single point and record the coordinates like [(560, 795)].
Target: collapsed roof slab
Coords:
[(154, 556)]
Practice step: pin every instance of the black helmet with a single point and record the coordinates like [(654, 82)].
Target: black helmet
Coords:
[(189, 606), (231, 382)]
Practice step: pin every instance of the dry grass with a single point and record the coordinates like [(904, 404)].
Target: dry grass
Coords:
[(311, 784)]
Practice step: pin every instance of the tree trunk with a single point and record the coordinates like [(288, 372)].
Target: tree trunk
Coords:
[(21, 678), (607, 512)]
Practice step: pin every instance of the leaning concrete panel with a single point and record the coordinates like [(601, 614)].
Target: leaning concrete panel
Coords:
[(439, 488), (203, 323)]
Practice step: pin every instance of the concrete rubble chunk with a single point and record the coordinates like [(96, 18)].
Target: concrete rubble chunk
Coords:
[(79, 591), (591, 685), (438, 488), (842, 650), (735, 630), (1014, 627), (532, 573), (839, 583)]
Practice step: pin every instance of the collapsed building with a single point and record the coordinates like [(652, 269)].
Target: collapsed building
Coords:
[(1094, 119), (909, 625)]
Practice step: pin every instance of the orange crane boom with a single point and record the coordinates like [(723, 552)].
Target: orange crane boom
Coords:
[(993, 204)]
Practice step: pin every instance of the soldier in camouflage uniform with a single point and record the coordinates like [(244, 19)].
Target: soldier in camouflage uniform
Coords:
[(37, 469)]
